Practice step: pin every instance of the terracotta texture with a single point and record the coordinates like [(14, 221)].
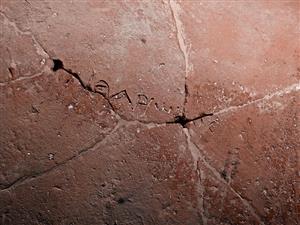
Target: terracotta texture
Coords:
[(149, 112)]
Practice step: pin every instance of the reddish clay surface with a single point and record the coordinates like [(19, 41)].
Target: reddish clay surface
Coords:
[(149, 112)]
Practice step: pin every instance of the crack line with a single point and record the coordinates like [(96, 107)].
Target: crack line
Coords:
[(197, 154), (45, 70), (200, 188), (175, 8), (91, 147), (286, 90), (39, 48)]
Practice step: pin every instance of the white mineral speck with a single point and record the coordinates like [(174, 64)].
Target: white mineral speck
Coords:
[(51, 156)]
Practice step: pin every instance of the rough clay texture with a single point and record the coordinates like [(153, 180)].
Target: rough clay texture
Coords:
[(149, 112)]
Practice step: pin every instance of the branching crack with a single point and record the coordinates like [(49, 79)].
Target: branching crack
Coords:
[(182, 119), (198, 155), (199, 187)]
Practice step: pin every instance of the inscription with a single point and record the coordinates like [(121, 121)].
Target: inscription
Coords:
[(102, 87)]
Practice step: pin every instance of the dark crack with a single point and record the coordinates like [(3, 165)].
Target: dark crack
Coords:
[(58, 64), (186, 94), (181, 119)]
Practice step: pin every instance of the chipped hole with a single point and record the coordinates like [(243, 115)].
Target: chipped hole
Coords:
[(182, 120), (57, 65), (121, 200)]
